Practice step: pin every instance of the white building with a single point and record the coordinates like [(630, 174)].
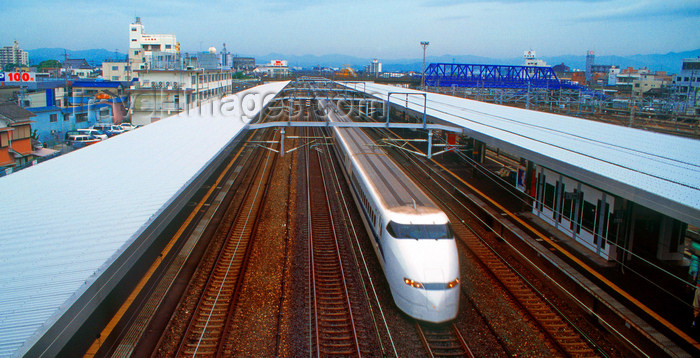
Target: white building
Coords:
[(375, 68), (116, 71), (276, 68), (13, 55), (532, 60), (162, 93), (613, 72), (647, 82), (687, 85), (142, 46)]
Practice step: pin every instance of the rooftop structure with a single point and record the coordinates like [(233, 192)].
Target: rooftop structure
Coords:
[(57, 270)]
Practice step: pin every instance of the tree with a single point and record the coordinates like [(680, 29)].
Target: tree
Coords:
[(48, 64), (10, 67), (239, 75)]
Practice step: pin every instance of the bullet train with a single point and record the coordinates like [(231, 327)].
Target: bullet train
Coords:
[(411, 236)]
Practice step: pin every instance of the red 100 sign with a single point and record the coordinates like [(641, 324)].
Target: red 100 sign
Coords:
[(17, 77)]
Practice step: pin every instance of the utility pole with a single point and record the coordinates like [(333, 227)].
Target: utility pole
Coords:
[(422, 80)]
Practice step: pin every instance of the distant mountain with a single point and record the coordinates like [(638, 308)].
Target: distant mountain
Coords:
[(338, 61), (94, 57), (670, 62)]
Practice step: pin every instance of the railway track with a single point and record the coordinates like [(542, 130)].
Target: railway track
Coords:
[(207, 327), (333, 326), (565, 336), (443, 341)]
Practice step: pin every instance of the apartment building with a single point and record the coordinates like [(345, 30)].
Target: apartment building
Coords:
[(13, 55), (143, 46), (163, 93)]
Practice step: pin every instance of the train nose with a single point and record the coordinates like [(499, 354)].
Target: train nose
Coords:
[(436, 300), (440, 300), (434, 296)]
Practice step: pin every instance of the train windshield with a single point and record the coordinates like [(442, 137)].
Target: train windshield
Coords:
[(410, 231)]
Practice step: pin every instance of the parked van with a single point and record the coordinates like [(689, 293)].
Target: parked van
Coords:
[(81, 140)]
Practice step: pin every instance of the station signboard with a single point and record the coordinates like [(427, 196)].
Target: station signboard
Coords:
[(16, 77)]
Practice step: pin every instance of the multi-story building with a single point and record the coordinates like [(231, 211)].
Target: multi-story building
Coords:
[(143, 46), (687, 85), (647, 82), (531, 59), (613, 72), (208, 60), (116, 71), (375, 68), (276, 68), (225, 58), (13, 55), (15, 136), (244, 64), (636, 82), (590, 61), (162, 93)]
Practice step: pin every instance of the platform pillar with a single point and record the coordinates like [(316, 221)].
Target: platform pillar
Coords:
[(430, 143), (479, 151), (282, 143)]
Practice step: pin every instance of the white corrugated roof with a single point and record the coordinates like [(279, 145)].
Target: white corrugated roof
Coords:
[(64, 221), (656, 170)]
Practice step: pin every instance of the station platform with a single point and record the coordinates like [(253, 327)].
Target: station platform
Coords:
[(563, 263), (73, 226)]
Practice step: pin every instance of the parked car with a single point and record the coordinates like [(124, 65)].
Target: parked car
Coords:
[(81, 140), (108, 128), (127, 126), (93, 132)]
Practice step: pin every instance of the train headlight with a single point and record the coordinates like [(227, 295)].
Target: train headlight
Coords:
[(412, 283), (453, 283)]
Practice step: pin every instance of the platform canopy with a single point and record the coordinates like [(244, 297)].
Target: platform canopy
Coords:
[(66, 221), (659, 171)]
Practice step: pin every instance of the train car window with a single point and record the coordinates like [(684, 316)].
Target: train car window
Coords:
[(579, 214), (408, 231), (549, 196), (588, 216), (558, 201), (568, 205), (540, 188), (605, 207)]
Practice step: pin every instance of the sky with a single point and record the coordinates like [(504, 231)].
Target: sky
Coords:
[(389, 29)]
